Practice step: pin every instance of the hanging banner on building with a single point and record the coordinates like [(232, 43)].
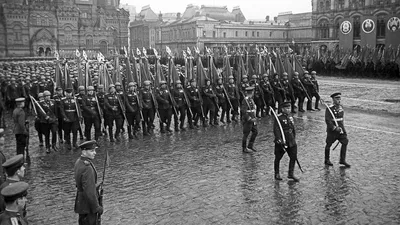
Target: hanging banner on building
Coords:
[(368, 31), (346, 34), (393, 31)]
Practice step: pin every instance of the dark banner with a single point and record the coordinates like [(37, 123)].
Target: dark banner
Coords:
[(346, 34), (368, 31), (393, 31)]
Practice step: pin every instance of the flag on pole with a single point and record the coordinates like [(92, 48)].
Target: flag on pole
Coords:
[(84, 55), (77, 53)]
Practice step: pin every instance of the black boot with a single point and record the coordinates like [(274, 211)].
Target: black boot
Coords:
[(277, 176), (162, 130), (48, 150), (176, 127), (327, 156), (343, 151), (130, 132), (290, 175), (182, 127), (54, 146), (251, 147)]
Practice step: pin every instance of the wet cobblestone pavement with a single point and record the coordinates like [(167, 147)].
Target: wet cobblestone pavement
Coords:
[(202, 177)]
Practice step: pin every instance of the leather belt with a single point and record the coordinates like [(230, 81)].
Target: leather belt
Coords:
[(70, 110)]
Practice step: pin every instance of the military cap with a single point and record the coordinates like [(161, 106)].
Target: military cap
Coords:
[(81, 88), (46, 93), (100, 86), (58, 88), (68, 90), (13, 79), (285, 104), (20, 100), (192, 80), (285, 74), (14, 191), (111, 86), (296, 73), (265, 75), (163, 82), (244, 77), (89, 145), (336, 95), (230, 77), (146, 82), (178, 82), (131, 84), (254, 77), (305, 72), (207, 79), (40, 95), (90, 88), (27, 78), (1, 132), (313, 73), (249, 89), (14, 162), (117, 84)]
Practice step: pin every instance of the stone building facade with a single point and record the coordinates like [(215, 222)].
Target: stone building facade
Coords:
[(39, 27)]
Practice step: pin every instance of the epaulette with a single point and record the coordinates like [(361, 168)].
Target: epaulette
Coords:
[(87, 163), (62, 98)]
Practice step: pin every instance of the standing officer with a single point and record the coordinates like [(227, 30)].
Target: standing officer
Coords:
[(164, 107), (181, 105), (209, 103), (57, 99), (15, 201), (290, 146), (268, 93), (195, 103), (336, 132), (299, 92), (222, 101), (233, 94), (278, 91), (90, 113), (148, 107), (288, 91), (70, 116), (87, 198), (309, 85), (133, 108), (79, 98), (49, 121), (243, 85), (248, 112), (20, 125), (114, 113), (257, 96)]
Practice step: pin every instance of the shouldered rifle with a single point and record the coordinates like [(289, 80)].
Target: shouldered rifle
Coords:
[(304, 89), (100, 110), (78, 112), (262, 95), (283, 136), (173, 103), (201, 103), (155, 103), (122, 107), (227, 96), (140, 106), (187, 101)]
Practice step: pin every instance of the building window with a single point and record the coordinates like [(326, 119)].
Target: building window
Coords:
[(357, 27), (327, 5), (204, 33), (270, 34), (340, 4), (323, 27), (245, 34), (44, 22), (252, 33), (89, 43), (214, 34), (321, 6), (336, 28), (236, 33), (18, 33), (258, 34), (381, 26), (224, 34)]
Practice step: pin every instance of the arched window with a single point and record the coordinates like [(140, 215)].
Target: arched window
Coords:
[(103, 47), (340, 4), (336, 29), (321, 6), (89, 42), (68, 35), (328, 5), (380, 26), (357, 27), (323, 27)]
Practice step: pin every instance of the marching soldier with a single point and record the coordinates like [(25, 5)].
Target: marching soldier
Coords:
[(248, 112), (114, 113), (148, 107), (133, 108), (258, 99), (100, 97), (222, 101), (209, 103), (335, 130), (79, 98), (278, 90), (268, 93), (20, 125), (49, 121), (181, 106), (164, 107), (69, 112), (288, 91), (299, 92), (314, 91), (87, 203), (289, 145), (57, 100), (233, 94), (243, 85), (196, 105), (90, 113), (309, 85), (120, 91), (15, 201)]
